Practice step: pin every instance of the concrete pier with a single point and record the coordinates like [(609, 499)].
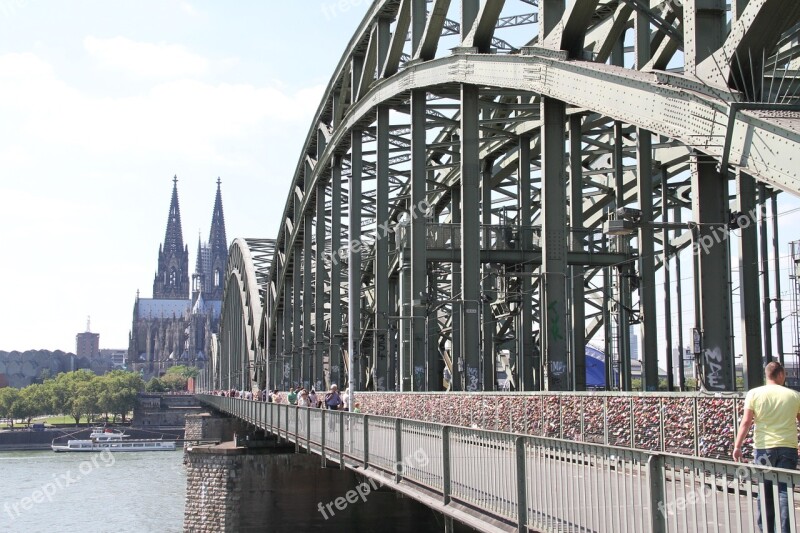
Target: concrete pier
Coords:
[(258, 483)]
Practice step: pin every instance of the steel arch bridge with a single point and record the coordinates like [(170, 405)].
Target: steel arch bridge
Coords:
[(488, 186), (238, 359)]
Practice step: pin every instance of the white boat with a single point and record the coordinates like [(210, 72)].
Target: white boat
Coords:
[(113, 441)]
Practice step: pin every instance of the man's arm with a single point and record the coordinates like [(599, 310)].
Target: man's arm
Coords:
[(744, 427)]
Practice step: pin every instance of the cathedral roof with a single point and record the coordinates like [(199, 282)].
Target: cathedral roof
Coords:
[(157, 308)]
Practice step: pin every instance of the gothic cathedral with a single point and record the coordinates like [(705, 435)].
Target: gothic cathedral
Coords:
[(176, 325)]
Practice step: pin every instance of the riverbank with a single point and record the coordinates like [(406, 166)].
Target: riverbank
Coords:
[(32, 440)]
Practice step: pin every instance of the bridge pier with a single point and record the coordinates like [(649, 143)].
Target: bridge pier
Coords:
[(263, 485)]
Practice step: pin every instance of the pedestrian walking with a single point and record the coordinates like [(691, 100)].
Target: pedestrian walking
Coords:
[(775, 410)]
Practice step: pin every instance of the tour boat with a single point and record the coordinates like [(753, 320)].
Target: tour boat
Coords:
[(113, 441)]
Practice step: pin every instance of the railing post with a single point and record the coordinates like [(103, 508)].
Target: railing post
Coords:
[(632, 426), (398, 452), (662, 423), (322, 438), (655, 474), (366, 441), (446, 464), (522, 487), (695, 413), (605, 420), (341, 439), (296, 429), (308, 429)]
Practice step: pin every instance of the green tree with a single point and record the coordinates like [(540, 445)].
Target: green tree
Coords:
[(185, 371), (174, 382), (30, 402), (8, 396), (120, 391), (72, 394), (154, 385)]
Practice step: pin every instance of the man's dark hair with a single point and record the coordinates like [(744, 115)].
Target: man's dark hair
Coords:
[(773, 370)]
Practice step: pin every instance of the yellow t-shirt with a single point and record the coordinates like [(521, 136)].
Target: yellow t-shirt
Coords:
[(775, 408)]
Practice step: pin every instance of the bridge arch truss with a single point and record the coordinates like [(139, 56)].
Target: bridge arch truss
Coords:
[(457, 209), (238, 360)]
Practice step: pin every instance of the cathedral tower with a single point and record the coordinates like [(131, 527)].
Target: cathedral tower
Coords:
[(212, 258), (172, 279)]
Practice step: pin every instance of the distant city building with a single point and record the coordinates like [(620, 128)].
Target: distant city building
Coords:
[(116, 356), (634, 344), (87, 344), (175, 325)]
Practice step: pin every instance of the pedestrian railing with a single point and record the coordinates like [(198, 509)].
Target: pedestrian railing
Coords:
[(516, 482), (682, 423)]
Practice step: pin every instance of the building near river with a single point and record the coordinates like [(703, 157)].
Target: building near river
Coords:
[(175, 325)]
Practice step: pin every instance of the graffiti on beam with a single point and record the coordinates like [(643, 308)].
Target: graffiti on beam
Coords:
[(419, 377), (552, 314), (473, 383), (713, 362)]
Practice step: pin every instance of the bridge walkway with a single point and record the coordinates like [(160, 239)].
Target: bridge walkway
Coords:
[(495, 481)]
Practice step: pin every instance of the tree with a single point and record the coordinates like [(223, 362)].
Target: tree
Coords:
[(8, 396), (30, 402), (121, 391), (154, 385), (174, 382), (72, 394), (183, 370)]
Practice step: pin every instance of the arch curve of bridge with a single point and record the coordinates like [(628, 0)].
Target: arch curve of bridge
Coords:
[(239, 362), (698, 114)]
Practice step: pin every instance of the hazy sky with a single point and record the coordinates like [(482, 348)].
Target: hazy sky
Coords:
[(102, 102)]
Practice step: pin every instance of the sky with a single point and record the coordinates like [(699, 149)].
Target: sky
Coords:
[(103, 102)]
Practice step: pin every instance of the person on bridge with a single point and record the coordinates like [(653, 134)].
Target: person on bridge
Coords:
[(774, 409), (292, 396), (332, 398)]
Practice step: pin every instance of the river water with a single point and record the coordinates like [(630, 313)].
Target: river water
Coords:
[(92, 492)]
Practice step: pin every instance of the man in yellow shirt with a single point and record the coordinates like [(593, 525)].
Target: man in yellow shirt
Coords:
[(775, 410)]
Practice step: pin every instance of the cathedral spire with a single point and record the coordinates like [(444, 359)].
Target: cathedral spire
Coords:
[(217, 239), (173, 240), (218, 250), (172, 277)]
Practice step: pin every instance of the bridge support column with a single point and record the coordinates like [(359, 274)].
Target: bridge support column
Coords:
[(318, 373), (553, 304), (286, 363), (713, 314), (297, 314), (647, 258), (470, 239), (354, 266), (420, 298), (623, 272), (456, 356), (575, 286), (526, 374), (335, 348), (308, 301), (748, 281), (381, 256), (488, 285)]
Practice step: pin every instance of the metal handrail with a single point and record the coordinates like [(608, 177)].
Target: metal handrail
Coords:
[(526, 482), (684, 423)]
